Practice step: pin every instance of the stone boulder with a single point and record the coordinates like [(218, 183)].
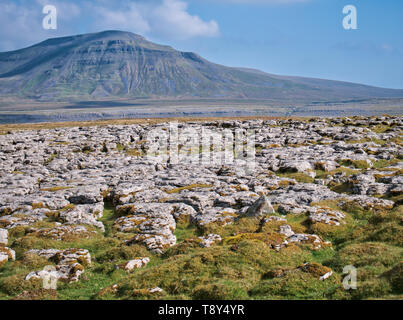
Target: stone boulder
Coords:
[(260, 207)]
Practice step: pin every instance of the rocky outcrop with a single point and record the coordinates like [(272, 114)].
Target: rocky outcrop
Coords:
[(6, 254), (3, 236), (261, 207), (70, 176), (69, 264), (134, 264)]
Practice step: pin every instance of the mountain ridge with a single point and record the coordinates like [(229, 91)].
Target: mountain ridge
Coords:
[(116, 64)]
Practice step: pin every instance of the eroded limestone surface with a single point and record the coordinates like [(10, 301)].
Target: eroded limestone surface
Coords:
[(66, 177)]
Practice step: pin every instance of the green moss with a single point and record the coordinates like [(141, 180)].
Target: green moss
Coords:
[(223, 290), (342, 188), (359, 164), (384, 163), (33, 261), (39, 205), (366, 254), (372, 288), (54, 189), (120, 147), (270, 239), (190, 187), (299, 176), (320, 174), (298, 285), (381, 128), (15, 284), (183, 232), (17, 232), (50, 159), (122, 253), (395, 277), (135, 152)]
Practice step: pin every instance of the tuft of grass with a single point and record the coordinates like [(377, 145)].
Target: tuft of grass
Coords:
[(298, 285), (366, 254), (190, 187), (134, 153), (50, 159), (54, 189), (298, 176), (120, 147), (379, 164), (359, 164), (320, 174)]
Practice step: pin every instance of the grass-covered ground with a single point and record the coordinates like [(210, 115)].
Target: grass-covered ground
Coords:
[(243, 266)]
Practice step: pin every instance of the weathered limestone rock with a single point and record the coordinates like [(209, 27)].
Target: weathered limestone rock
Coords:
[(86, 195), (16, 220), (326, 165), (68, 174), (6, 254), (286, 230), (84, 214), (155, 290), (317, 270), (209, 240), (310, 239), (3, 236), (65, 232), (295, 166), (134, 264), (326, 216), (293, 209), (264, 221), (66, 273), (69, 264), (154, 242), (261, 207), (221, 216)]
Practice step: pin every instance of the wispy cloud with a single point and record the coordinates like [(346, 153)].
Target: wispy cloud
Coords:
[(169, 18), (172, 19), (130, 17)]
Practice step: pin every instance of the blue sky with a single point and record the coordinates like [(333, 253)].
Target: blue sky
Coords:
[(289, 37)]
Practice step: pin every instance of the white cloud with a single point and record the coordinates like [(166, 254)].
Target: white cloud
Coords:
[(130, 19), (21, 22), (168, 18), (172, 19)]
